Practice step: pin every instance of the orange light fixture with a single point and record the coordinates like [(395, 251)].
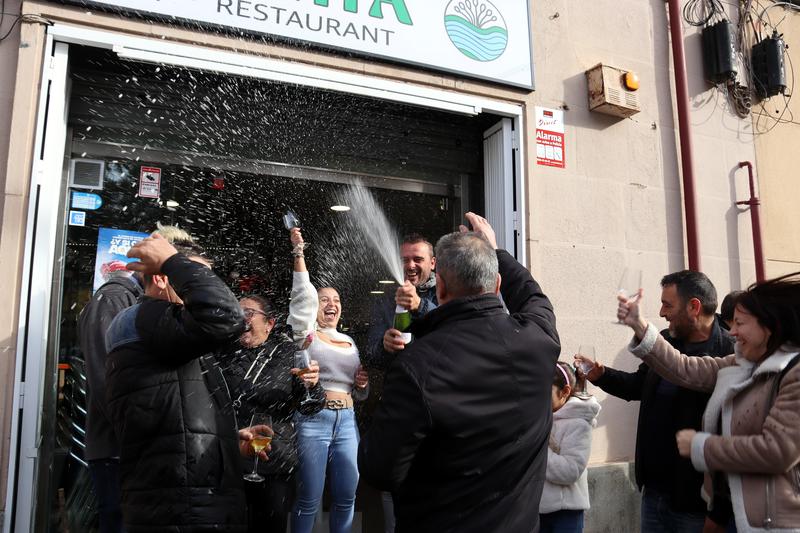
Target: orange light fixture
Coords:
[(631, 81)]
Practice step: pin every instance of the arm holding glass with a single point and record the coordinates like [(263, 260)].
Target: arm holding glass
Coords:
[(361, 385), (305, 303), (696, 373), (248, 435)]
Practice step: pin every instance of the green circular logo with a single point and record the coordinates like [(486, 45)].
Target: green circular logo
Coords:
[(476, 28)]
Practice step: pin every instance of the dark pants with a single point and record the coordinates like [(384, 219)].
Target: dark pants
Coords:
[(659, 517), (105, 478), (565, 521), (269, 503)]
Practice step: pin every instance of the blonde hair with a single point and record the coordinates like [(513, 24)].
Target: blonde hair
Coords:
[(172, 233)]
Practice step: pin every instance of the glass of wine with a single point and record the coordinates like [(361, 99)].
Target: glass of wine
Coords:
[(290, 220), (302, 361), (629, 285), (260, 442), (585, 365)]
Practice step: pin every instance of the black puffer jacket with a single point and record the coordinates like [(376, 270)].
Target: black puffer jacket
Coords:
[(179, 458), (260, 381)]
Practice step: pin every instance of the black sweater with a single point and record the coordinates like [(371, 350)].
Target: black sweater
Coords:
[(260, 381)]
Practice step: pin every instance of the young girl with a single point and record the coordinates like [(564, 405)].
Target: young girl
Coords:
[(566, 490)]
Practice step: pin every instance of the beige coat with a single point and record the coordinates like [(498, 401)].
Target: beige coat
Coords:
[(758, 445)]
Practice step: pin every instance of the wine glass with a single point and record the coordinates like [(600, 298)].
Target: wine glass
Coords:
[(629, 285), (260, 441), (290, 220), (585, 365), (302, 361)]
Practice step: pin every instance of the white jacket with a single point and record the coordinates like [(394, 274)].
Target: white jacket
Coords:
[(565, 486)]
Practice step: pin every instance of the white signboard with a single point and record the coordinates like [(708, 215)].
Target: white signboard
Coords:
[(488, 39)]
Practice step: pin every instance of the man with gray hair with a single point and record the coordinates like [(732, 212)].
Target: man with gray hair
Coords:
[(460, 437)]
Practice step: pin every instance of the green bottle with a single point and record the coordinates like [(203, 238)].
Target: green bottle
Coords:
[(402, 321)]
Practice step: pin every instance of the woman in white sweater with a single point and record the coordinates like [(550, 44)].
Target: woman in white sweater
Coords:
[(566, 491), (328, 440)]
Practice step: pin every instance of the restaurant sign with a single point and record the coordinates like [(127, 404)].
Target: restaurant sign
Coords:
[(486, 39)]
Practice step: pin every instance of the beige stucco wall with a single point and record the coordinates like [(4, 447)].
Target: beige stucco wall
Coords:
[(617, 203), (11, 210), (776, 163)]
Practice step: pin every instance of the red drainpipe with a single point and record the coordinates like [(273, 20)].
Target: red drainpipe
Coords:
[(755, 218), (684, 129)]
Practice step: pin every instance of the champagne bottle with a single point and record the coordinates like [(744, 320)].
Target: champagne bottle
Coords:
[(402, 321)]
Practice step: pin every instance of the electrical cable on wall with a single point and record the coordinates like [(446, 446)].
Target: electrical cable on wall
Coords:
[(703, 12), (771, 111), (745, 61), (18, 19)]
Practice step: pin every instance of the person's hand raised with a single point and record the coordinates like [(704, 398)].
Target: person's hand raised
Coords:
[(628, 313), (480, 226), (296, 236), (151, 253)]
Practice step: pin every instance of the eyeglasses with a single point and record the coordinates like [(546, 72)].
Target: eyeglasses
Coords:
[(249, 312)]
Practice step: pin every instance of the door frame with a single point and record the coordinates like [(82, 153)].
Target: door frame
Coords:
[(47, 182)]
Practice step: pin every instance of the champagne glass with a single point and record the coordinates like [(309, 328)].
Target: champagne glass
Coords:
[(585, 365), (260, 442), (302, 361), (629, 285), (290, 220)]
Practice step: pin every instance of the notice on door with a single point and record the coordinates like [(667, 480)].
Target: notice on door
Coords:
[(111, 256), (550, 137), (149, 182)]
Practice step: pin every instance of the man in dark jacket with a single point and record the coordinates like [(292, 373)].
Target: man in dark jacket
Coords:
[(102, 450), (179, 456), (384, 342), (671, 486), (460, 437), (417, 294)]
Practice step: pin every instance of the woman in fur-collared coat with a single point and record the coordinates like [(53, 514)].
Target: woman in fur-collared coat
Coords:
[(750, 444)]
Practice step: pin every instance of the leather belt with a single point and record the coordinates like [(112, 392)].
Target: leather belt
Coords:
[(338, 400)]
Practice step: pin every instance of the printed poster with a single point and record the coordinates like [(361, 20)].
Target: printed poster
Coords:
[(149, 182), (550, 137), (112, 247)]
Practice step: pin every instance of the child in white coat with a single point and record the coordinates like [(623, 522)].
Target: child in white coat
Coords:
[(566, 491)]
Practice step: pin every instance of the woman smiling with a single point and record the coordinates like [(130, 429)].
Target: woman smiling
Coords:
[(750, 444), (328, 440)]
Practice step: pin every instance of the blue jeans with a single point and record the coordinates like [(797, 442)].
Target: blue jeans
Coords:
[(658, 516), (565, 521), (105, 479), (327, 442)]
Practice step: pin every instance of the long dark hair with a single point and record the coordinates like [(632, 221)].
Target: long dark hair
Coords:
[(776, 305)]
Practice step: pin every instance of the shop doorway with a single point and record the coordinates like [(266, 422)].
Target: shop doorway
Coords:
[(232, 153)]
